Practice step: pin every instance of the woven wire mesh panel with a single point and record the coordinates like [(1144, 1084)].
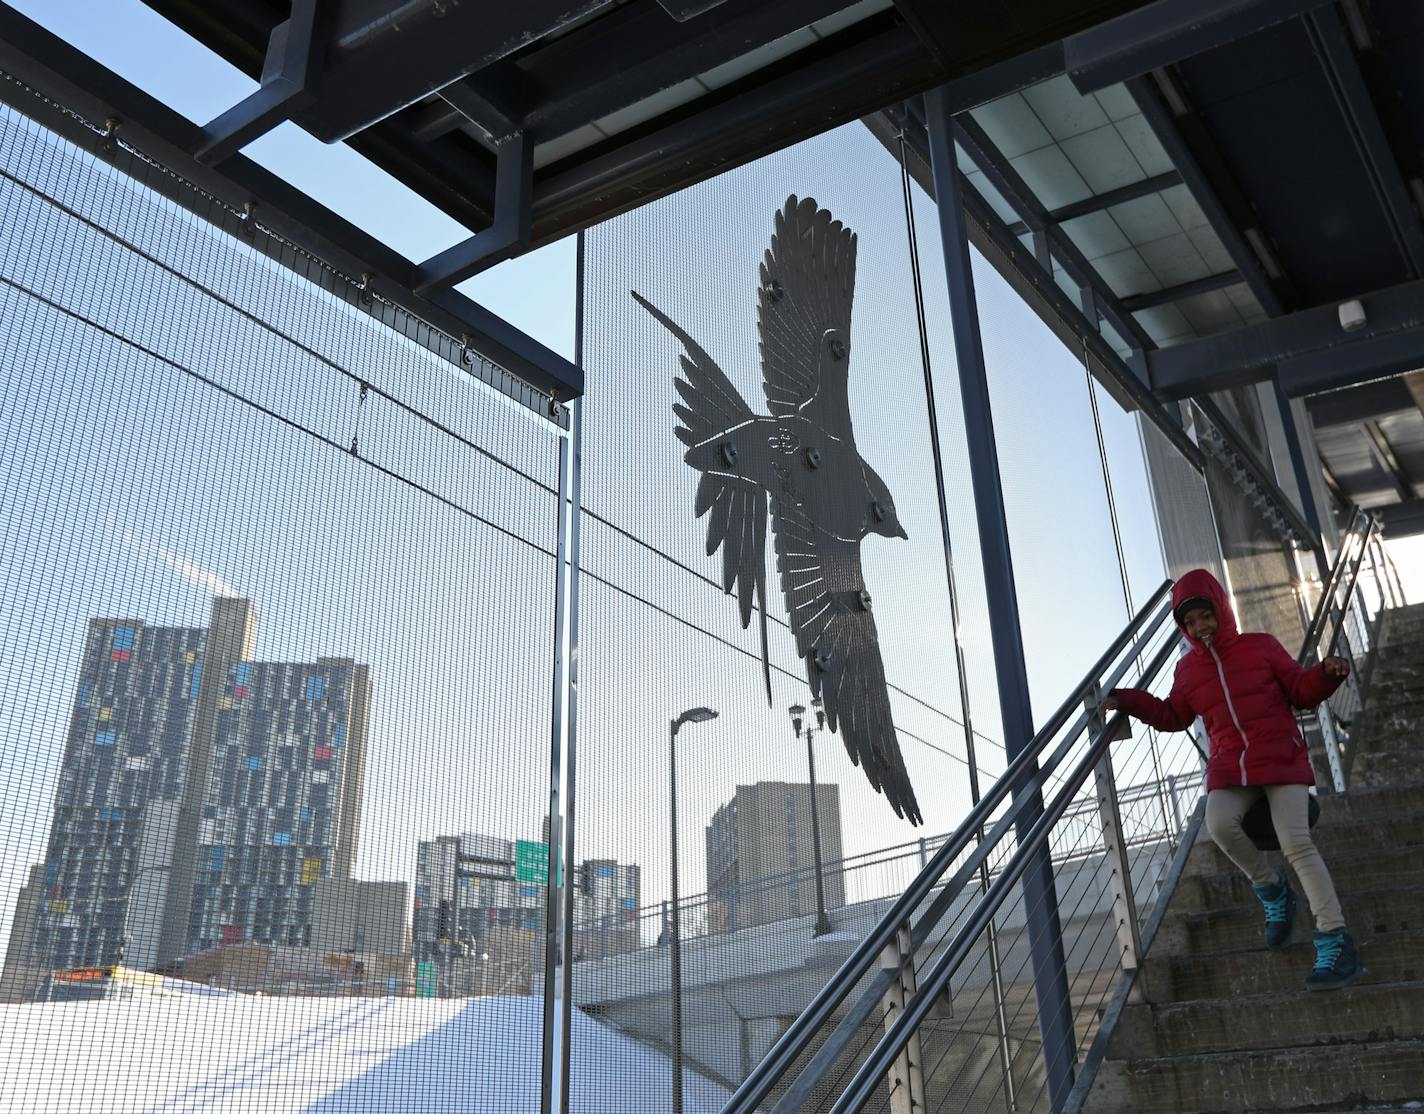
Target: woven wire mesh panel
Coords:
[(658, 636), (277, 632)]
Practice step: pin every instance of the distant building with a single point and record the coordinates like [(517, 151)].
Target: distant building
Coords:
[(270, 969), (23, 975), (201, 796), (485, 927), (282, 807), (761, 858), (361, 918), (606, 912)]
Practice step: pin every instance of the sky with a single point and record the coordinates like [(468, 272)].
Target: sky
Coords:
[(128, 519)]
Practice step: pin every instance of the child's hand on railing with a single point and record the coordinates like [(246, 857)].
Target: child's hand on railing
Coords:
[(1111, 703), (1338, 668)]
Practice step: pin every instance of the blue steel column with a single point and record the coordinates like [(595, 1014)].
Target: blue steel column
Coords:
[(1055, 1012), (1302, 477)]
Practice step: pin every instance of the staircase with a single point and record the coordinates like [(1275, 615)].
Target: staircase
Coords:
[(1222, 1024)]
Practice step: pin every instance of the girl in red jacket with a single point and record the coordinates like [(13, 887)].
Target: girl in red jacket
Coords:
[(1244, 686)]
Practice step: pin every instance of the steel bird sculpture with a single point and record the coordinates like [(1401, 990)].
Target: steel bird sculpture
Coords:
[(800, 461)]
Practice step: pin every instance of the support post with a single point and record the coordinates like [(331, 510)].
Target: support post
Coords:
[(1040, 898), (1115, 859), (509, 233), (1302, 476), (551, 1097), (906, 1079), (1331, 741)]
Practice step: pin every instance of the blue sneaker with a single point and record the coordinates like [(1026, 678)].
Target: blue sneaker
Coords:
[(1337, 961), (1279, 900)]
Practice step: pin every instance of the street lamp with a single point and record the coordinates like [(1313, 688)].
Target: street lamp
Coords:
[(692, 715), (798, 715)]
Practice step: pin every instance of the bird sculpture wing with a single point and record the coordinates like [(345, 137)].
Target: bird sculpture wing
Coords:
[(803, 316), (830, 616), (710, 407)]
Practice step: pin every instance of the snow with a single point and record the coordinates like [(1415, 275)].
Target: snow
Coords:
[(239, 1053)]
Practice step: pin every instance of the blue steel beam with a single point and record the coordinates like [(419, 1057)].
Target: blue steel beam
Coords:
[(1167, 32), (1031, 277), (283, 90), (1370, 400), (506, 237), (1055, 1010), (1401, 520), (1100, 201), (1033, 213), (71, 78), (1308, 350), (1347, 85), (1205, 285)]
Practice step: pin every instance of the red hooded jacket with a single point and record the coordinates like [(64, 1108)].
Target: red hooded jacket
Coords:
[(1243, 686)]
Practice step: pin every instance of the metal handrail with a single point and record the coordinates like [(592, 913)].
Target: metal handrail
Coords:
[(1332, 585), (1023, 779), (801, 1032), (919, 1006)]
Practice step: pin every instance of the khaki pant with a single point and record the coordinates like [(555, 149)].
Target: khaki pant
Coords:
[(1289, 815)]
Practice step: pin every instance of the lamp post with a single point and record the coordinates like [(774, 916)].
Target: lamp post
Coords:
[(692, 715), (798, 717)]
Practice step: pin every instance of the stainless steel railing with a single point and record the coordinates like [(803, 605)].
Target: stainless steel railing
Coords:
[(890, 1029)]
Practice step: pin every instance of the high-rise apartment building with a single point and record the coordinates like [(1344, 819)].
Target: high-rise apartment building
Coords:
[(761, 854), (281, 809), (201, 795)]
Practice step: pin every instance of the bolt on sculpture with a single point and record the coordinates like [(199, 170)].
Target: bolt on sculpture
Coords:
[(801, 461)]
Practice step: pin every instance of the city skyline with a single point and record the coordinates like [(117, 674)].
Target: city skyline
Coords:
[(202, 795)]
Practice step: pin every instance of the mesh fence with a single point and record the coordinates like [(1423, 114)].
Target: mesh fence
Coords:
[(278, 633), (275, 707), (658, 635)]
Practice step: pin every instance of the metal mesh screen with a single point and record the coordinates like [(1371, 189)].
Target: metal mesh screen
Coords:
[(659, 637), (275, 706)]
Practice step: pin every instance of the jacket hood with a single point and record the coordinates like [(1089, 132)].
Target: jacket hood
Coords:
[(1200, 583)]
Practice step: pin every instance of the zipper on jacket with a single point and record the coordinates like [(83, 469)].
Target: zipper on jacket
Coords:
[(1230, 707)]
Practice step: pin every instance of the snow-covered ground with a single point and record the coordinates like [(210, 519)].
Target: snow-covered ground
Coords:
[(241, 1054)]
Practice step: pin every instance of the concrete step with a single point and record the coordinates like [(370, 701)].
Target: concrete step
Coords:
[(1387, 767), (1367, 912), (1389, 957), (1294, 1018), (1374, 803), (1314, 1077), (1352, 873), (1334, 838)]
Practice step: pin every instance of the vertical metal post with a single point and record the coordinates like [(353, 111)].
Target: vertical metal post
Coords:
[(675, 935), (1302, 476), (575, 444), (961, 669), (823, 923), (1115, 849), (571, 736), (906, 1078), (1055, 1012), (1332, 745), (549, 1099), (1383, 588)]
